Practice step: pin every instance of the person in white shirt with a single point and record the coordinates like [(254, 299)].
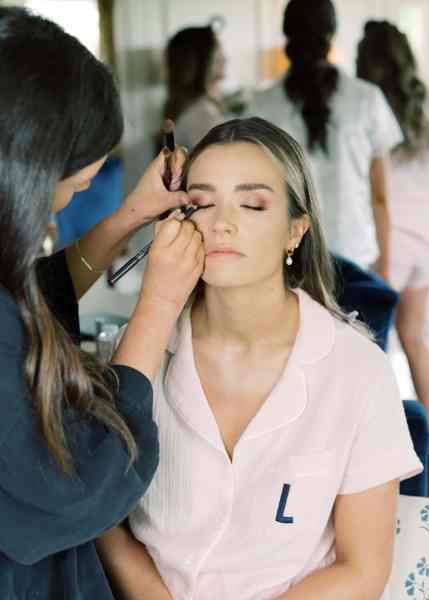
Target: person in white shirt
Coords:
[(347, 129), (278, 478), (195, 63), (385, 58)]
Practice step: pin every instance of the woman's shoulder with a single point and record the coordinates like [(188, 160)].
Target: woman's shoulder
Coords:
[(7, 301), (358, 358), (354, 84), (325, 336), (357, 91), (348, 337), (11, 330), (200, 107)]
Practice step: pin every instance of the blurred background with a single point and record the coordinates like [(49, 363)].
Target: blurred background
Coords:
[(131, 36)]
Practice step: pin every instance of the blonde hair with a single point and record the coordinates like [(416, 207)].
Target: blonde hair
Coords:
[(313, 270)]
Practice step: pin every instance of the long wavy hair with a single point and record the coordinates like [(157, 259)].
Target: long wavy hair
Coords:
[(385, 58), (313, 270), (59, 112), (309, 26), (189, 58)]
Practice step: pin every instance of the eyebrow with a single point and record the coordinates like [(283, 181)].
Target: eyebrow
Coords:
[(242, 187)]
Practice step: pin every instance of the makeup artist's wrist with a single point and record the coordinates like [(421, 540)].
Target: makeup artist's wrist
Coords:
[(126, 220), (146, 337), (165, 309)]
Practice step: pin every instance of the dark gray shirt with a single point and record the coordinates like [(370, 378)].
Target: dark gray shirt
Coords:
[(48, 520)]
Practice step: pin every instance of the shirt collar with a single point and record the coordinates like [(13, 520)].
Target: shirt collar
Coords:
[(288, 399)]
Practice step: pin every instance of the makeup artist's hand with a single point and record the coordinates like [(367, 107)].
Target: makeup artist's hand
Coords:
[(150, 198), (175, 262)]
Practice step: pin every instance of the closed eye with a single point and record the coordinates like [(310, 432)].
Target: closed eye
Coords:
[(203, 206), (253, 207)]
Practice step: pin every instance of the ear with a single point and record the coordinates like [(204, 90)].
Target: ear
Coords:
[(298, 229)]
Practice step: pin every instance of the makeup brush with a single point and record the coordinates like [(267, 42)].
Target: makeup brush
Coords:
[(186, 210), (169, 144)]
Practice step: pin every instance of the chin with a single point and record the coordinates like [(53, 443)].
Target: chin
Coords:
[(226, 278)]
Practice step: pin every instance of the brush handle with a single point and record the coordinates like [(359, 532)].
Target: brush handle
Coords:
[(130, 264), (187, 210)]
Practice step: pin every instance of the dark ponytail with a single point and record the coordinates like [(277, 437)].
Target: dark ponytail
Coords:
[(386, 59), (309, 27)]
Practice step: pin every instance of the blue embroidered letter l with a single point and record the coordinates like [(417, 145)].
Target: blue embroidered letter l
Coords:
[(280, 516)]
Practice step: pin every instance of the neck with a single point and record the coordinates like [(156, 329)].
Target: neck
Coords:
[(245, 317)]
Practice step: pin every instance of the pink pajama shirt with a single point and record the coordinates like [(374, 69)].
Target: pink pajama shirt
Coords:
[(249, 528)]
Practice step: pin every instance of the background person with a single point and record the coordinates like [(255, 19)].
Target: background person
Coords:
[(385, 58), (195, 67), (348, 129)]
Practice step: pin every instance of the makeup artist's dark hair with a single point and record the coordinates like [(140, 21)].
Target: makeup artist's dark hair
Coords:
[(189, 57), (309, 26), (312, 269), (59, 112), (385, 58)]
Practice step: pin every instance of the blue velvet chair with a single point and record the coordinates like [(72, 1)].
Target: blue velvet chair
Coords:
[(90, 206), (370, 295), (419, 428)]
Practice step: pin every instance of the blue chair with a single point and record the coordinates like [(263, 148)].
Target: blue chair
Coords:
[(419, 429), (90, 206), (369, 294)]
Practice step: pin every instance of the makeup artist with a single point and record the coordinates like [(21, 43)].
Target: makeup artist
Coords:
[(78, 446)]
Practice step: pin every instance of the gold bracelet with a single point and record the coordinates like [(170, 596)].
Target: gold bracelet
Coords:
[(84, 261)]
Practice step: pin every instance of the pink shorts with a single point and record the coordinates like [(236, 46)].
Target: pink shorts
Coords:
[(409, 263)]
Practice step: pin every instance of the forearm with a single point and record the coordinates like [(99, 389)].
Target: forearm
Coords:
[(339, 581), (129, 566), (382, 227), (379, 176), (100, 246), (143, 344)]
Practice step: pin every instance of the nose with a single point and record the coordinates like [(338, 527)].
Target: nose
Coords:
[(224, 220)]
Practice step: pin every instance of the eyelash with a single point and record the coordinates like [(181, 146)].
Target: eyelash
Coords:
[(259, 208)]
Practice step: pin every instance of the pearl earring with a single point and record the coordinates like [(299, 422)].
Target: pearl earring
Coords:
[(290, 252)]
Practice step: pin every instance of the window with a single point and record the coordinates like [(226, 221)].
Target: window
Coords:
[(79, 18)]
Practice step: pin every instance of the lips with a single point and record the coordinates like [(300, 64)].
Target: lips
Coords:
[(223, 251)]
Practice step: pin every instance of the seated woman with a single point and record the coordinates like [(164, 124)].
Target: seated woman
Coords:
[(278, 478)]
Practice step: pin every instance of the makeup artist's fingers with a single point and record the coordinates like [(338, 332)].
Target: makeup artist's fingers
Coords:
[(184, 238), (200, 258), (195, 243), (167, 230), (177, 164), (149, 199), (175, 263), (175, 199)]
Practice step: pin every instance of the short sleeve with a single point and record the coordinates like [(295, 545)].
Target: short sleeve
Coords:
[(384, 130), (43, 510), (382, 449)]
